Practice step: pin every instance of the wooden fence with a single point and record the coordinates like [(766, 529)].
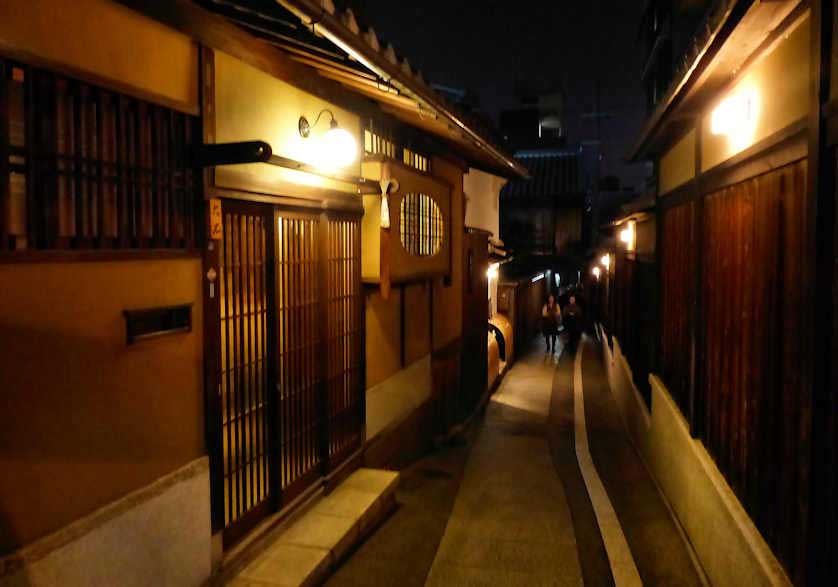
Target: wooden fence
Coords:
[(748, 404)]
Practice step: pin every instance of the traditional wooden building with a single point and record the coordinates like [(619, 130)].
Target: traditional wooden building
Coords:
[(235, 265), (739, 427)]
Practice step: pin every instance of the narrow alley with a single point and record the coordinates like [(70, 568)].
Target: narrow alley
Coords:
[(509, 503)]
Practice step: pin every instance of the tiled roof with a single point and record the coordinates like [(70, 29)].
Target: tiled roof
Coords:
[(554, 174), (280, 26)]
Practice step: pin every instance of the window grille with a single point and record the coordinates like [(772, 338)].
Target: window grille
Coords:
[(377, 144), (417, 161), (85, 168), (421, 225)]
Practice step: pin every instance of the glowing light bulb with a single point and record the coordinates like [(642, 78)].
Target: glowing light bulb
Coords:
[(492, 272), (597, 272), (338, 148), (606, 261)]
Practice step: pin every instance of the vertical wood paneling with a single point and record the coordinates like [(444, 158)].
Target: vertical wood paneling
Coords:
[(756, 416), (677, 259)]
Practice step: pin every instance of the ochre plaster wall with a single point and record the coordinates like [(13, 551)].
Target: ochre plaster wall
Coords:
[(383, 335), (417, 336), (677, 166), (104, 40), (779, 82), (87, 418), (253, 105)]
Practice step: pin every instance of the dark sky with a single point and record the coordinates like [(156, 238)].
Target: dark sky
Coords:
[(487, 45)]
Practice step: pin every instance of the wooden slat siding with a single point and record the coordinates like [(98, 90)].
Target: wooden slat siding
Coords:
[(756, 417), (827, 512), (677, 258), (5, 140)]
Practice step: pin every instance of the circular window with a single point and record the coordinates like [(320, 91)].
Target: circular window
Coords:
[(421, 225)]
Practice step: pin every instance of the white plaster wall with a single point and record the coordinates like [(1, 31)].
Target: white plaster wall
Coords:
[(394, 399), (159, 535), (728, 546), (482, 200)]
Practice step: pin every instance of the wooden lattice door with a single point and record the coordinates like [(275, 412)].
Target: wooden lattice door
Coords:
[(291, 380), (246, 314), (299, 353)]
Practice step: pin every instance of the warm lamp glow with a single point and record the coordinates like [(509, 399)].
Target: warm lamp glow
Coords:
[(492, 271), (627, 235), (596, 272), (338, 148), (736, 117), (606, 261)]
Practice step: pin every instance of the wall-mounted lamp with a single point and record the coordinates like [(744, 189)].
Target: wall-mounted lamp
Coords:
[(337, 147), (605, 260), (596, 271), (627, 235), (736, 118), (492, 271)]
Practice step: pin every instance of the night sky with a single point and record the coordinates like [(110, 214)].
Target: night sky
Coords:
[(487, 45)]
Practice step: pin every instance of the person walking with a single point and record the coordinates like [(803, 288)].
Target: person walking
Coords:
[(551, 317), (572, 318)]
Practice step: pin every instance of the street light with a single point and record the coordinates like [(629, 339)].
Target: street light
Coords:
[(337, 147)]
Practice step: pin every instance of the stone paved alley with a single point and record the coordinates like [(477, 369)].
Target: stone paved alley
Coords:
[(508, 504)]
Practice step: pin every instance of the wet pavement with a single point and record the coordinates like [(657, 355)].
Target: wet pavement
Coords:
[(507, 504)]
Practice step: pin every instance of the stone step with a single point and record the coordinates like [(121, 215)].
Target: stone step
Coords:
[(305, 552)]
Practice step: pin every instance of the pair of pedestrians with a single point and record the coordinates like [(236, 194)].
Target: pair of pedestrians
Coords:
[(553, 317)]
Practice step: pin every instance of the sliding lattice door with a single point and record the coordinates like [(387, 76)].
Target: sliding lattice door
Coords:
[(344, 338), (291, 338), (299, 371), (245, 382)]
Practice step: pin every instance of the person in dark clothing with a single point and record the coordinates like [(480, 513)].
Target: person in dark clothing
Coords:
[(572, 319), (551, 318)]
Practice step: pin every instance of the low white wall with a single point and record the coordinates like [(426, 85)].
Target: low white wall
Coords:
[(394, 399), (158, 535), (728, 546)]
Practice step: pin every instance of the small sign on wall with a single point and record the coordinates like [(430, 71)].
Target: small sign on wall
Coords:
[(216, 219)]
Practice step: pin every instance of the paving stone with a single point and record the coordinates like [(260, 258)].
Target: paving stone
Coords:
[(289, 565), (334, 533)]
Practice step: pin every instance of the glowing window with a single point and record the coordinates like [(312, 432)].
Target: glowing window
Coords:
[(377, 144), (421, 225), (415, 160)]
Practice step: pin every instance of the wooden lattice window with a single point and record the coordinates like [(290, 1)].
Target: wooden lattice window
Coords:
[(376, 143), (420, 225), (85, 168), (417, 161)]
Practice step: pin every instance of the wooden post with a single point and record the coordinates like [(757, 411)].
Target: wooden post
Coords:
[(817, 524)]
